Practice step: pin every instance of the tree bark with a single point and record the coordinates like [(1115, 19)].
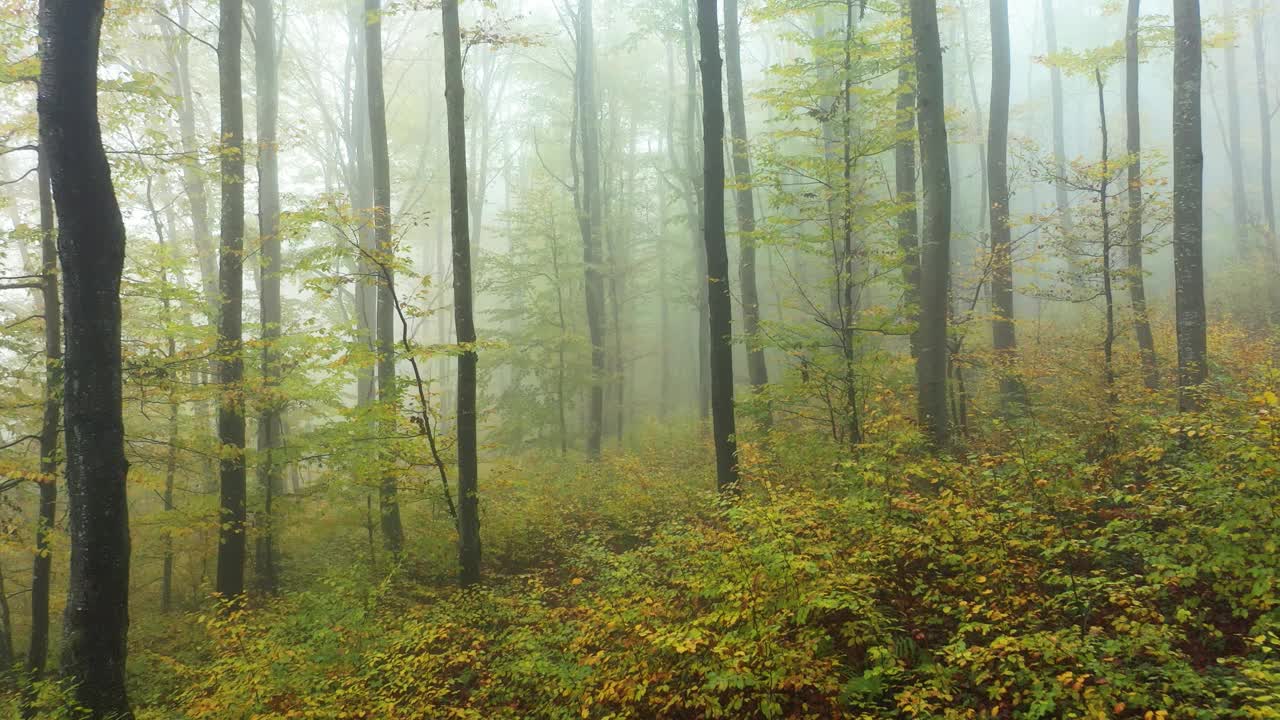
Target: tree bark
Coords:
[(1134, 227), (591, 220), (719, 303), (91, 241), (269, 468), (468, 467), (384, 251), (935, 251), (1188, 204), (231, 425), (1003, 335), (757, 370)]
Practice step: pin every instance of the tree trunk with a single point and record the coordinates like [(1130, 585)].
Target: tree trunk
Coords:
[(231, 432), (192, 178), (41, 567), (757, 370), (591, 220), (1134, 241), (1059, 139), (468, 467), (1239, 197), (1265, 114), (904, 154), (91, 240), (1003, 336), (384, 253), (931, 364), (269, 469), (697, 223), (719, 305), (984, 165), (1108, 296), (1188, 204)]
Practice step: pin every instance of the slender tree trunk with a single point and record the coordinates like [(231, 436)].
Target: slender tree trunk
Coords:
[(468, 468), (931, 364), (720, 305), (1003, 337), (171, 452), (1059, 139), (1265, 114), (1108, 296), (269, 469), (697, 223), (757, 370), (1134, 227), (231, 426), (1188, 204), (904, 153), (91, 240), (984, 164), (591, 220), (1239, 197), (192, 177), (42, 563), (384, 252)]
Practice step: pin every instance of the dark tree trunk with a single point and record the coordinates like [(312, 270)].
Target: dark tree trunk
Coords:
[(935, 250), (231, 432), (1108, 295), (1003, 337), (757, 370), (1188, 204), (904, 154), (41, 566), (392, 530), (1134, 241), (1059, 138), (269, 468), (468, 492), (1239, 197), (590, 220), (719, 305), (91, 243)]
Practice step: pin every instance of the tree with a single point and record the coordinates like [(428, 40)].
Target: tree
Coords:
[(231, 430), (1003, 335), (42, 563), (1059, 139), (1188, 204), (1235, 150), (384, 253), (935, 250), (1137, 280), (468, 468), (91, 242), (269, 424), (719, 304), (904, 154), (590, 216), (1265, 113), (757, 370)]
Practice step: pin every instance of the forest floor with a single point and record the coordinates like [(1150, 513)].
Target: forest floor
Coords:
[(1024, 577)]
